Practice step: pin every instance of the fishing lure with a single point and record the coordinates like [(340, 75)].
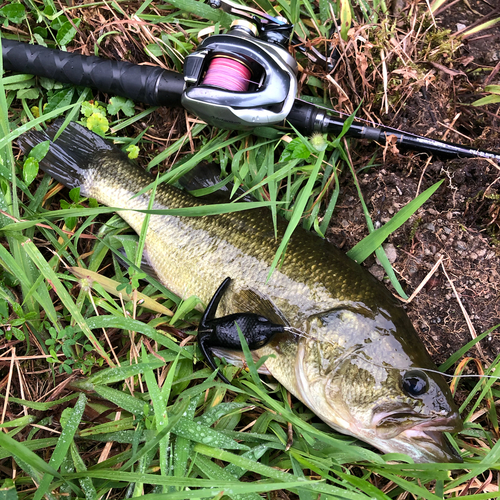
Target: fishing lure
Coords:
[(223, 332)]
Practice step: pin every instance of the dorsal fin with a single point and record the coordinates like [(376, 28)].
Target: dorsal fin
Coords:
[(206, 177)]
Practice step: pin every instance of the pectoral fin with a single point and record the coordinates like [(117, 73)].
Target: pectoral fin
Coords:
[(237, 358), (251, 301)]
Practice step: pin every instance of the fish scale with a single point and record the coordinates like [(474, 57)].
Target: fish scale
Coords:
[(350, 352)]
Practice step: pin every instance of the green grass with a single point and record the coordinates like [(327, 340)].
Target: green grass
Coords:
[(175, 431)]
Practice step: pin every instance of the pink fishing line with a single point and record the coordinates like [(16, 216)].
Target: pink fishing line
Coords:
[(228, 74)]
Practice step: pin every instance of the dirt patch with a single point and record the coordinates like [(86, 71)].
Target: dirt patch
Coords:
[(449, 225), (460, 222)]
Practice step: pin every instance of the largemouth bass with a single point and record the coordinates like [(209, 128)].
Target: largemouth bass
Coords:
[(353, 356)]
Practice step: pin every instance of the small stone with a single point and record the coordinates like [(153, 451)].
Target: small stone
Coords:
[(377, 271), (461, 26), (473, 255), (461, 246), (391, 252), (447, 230), (430, 227), (492, 56), (412, 268)]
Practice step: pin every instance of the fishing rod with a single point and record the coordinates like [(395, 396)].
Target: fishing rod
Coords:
[(240, 80)]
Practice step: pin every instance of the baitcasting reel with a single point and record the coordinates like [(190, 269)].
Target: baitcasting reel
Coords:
[(239, 81)]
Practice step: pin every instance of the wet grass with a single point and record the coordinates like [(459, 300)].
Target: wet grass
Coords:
[(103, 398)]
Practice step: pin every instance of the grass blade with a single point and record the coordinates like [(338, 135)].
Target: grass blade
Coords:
[(367, 246), (63, 294), (297, 213), (63, 444)]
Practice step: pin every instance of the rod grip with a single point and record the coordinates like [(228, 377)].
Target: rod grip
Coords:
[(303, 117), (308, 118), (147, 84)]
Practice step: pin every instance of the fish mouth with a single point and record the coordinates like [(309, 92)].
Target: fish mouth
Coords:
[(433, 445), (424, 440)]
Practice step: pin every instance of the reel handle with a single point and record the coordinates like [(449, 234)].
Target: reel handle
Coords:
[(147, 84)]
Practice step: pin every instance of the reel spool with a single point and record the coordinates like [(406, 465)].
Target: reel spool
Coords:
[(237, 81), (229, 73)]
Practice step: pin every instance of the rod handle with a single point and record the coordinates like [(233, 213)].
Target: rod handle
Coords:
[(147, 84)]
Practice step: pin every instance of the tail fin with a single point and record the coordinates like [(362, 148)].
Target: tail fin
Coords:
[(73, 152)]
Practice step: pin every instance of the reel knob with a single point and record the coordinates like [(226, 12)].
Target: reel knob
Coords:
[(244, 27)]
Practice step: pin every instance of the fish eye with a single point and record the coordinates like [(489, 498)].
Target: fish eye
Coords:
[(415, 383)]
